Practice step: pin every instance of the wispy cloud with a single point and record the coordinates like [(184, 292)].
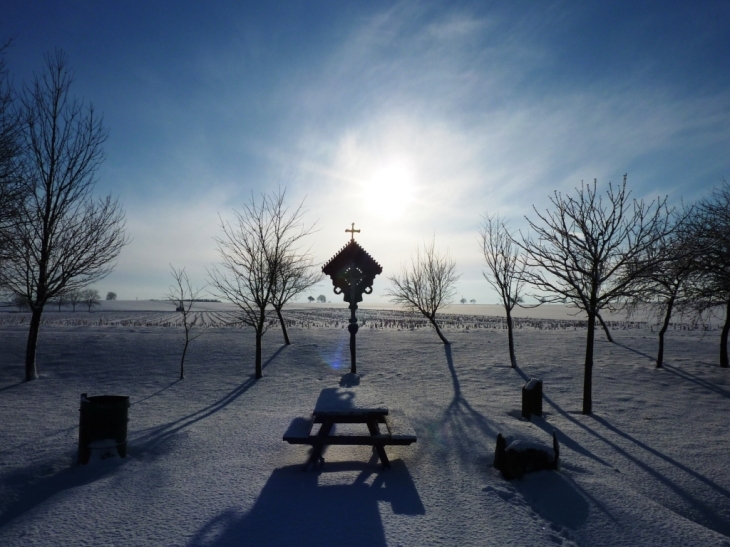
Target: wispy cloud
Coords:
[(411, 119)]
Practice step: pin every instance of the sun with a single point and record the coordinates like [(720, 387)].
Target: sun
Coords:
[(391, 187)]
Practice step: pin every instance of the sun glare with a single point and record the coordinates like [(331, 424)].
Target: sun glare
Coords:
[(391, 188)]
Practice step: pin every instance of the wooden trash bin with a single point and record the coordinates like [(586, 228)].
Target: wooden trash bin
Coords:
[(102, 418)]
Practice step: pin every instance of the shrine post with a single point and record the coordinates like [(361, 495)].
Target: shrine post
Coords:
[(352, 271)]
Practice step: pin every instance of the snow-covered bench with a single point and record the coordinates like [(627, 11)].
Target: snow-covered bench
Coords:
[(522, 456)]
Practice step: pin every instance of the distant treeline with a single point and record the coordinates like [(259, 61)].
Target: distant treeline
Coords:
[(189, 300)]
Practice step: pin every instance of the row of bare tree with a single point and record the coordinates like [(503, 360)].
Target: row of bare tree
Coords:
[(616, 254), (87, 297), (595, 252), (55, 236), (263, 265)]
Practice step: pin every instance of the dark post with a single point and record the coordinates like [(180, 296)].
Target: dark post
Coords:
[(532, 398), (352, 327)]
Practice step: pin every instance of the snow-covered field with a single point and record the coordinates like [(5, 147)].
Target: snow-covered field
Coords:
[(207, 465)]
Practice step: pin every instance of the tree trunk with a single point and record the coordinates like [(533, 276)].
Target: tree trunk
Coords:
[(182, 360), (723, 338), (438, 331), (35, 324), (665, 325), (283, 327), (588, 378), (510, 338), (605, 328), (259, 335)]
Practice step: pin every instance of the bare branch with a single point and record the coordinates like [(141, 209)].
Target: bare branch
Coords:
[(257, 251), (182, 294), (63, 238), (709, 285), (589, 252), (427, 286), (505, 269)]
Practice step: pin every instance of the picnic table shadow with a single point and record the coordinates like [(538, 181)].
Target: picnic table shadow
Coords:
[(295, 509)]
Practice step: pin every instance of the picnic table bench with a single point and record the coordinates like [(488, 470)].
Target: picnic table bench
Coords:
[(339, 406)]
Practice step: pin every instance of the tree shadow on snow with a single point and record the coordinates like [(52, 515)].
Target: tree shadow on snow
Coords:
[(30, 491), (11, 386), (637, 352), (681, 373), (685, 375), (168, 386), (156, 436), (295, 509), (460, 420), (709, 516), (273, 356)]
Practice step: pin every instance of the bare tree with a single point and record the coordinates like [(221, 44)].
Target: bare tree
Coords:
[(10, 189), (21, 302), (90, 298), (65, 239), (586, 252), (710, 227), (73, 297), (253, 250), (59, 300), (427, 286), (664, 288), (505, 269), (322, 299), (184, 296), (296, 274)]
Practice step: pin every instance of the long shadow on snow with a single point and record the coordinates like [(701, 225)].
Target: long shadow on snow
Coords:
[(157, 435), (696, 380), (294, 509), (32, 491), (636, 351), (168, 386), (11, 386), (682, 373), (714, 520), (460, 418)]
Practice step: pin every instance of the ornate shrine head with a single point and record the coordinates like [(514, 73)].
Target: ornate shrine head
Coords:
[(352, 271)]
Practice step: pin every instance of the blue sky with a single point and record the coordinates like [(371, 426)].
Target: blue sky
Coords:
[(411, 119)]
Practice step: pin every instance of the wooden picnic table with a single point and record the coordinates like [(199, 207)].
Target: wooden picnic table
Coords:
[(350, 406)]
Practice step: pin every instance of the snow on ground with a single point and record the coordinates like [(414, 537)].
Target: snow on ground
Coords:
[(207, 465)]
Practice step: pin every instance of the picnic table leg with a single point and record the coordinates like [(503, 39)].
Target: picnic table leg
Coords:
[(317, 449), (375, 430)]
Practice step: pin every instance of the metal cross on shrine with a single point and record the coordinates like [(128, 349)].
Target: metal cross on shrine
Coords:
[(352, 232), (352, 271)]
